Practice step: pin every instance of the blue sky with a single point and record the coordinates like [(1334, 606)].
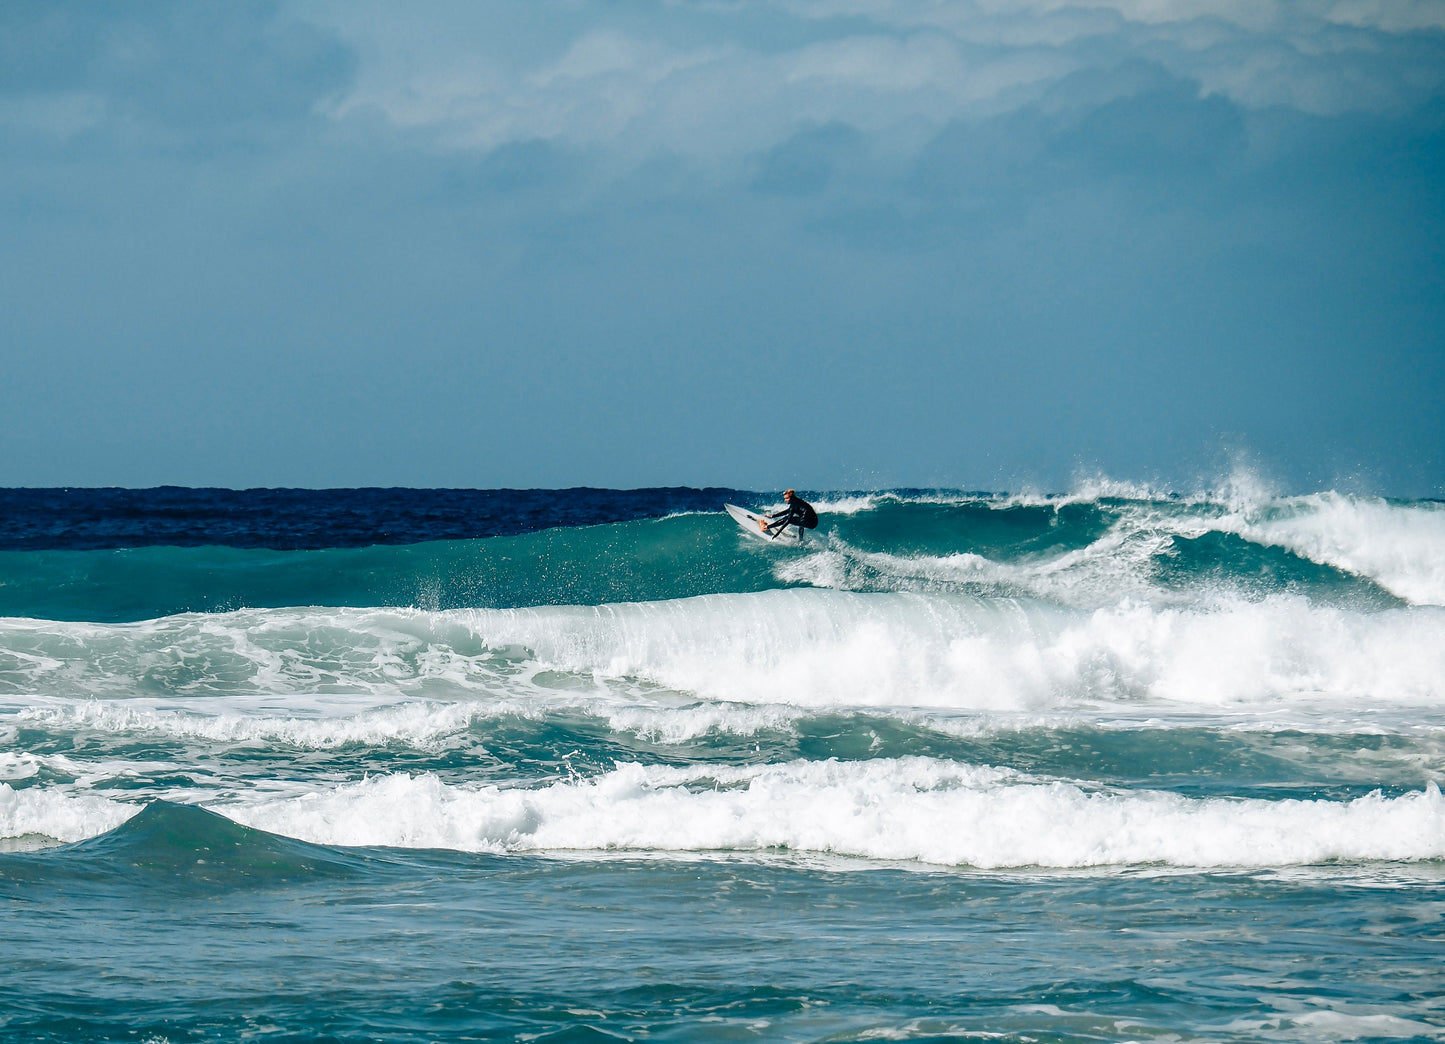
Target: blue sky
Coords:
[(853, 244)]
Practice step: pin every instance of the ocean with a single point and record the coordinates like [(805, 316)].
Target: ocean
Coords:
[(597, 765)]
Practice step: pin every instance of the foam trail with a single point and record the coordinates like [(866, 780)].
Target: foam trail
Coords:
[(421, 725), (905, 809), (424, 725), (1117, 566), (1328, 1025)]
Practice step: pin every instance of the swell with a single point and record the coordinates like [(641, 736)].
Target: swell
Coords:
[(645, 560), (1328, 548), (1355, 552)]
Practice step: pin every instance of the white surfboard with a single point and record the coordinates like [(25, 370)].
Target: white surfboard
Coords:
[(749, 522)]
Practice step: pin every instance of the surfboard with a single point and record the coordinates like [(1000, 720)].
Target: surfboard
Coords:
[(749, 522)]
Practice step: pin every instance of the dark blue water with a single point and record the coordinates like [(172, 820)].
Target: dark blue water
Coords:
[(297, 519)]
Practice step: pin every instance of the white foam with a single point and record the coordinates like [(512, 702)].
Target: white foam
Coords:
[(63, 814), (799, 648), (1118, 565), (421, 725), (681, 724), (833, 649), (858, 503), (21, 764), (848, 505), (809, 649), (1333, 1024), (915, 809), (18, 765)]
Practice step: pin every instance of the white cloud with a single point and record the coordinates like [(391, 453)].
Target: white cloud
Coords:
[(1255, 15), (1395, 16), (684, 83), (879, 63)]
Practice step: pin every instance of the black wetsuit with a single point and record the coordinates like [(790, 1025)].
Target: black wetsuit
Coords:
[(798, 513)]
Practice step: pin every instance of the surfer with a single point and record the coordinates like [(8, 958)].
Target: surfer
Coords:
[(798, 513)]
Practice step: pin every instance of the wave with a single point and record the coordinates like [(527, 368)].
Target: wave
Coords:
[(1399, 546), (906, 809), (891, 809), (183, 848), (671, 557), (1348, 550), (801, 648), (1085, 551)]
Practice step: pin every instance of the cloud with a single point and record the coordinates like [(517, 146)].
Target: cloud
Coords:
[(1253, 15), (721, 84), (717, 85)]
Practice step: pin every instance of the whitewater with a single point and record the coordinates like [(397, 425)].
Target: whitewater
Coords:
[(1114, 764)]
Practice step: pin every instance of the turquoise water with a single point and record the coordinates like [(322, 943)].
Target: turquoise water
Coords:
[(1085, 768)]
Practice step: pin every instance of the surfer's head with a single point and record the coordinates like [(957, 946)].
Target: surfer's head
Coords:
[(787, 494)]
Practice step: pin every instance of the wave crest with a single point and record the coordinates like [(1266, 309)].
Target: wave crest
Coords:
[(913, 809)]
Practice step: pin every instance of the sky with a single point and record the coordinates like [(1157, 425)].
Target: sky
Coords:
[(1000, 244)]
